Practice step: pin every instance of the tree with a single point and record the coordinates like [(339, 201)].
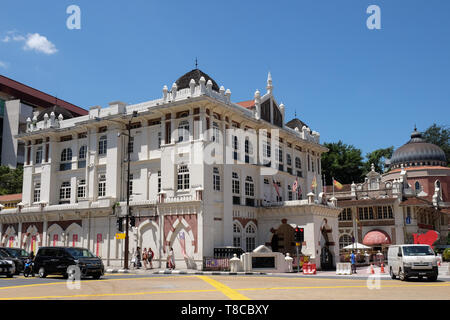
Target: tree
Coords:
[(343, 162), (10, 180), (378, 158), (440, 136)]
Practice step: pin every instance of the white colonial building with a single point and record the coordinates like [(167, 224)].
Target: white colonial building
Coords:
[(205, 173)]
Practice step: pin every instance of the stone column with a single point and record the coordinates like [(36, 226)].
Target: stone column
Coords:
[(44, 233)]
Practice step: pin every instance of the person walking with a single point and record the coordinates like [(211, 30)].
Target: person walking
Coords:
[(150, 255), (171, 259), (353, 261), (144, 258)]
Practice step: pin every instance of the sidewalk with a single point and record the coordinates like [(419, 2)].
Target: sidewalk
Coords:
[(362, 272)]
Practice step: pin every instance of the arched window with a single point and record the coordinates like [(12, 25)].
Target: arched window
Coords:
[(82, 153), (183, 131), (66, 155), (102, 145), (417, 185), (250, 238), (344, 241), (235, 183), (237, 235), (216, 132)]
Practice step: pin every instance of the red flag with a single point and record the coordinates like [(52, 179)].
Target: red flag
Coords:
[(276, 187), (295, 185)]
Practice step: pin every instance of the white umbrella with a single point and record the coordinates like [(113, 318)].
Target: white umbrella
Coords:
[(356, 245)]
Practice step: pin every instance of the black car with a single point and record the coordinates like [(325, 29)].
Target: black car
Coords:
[(60, 260), (18, 264), (18, 253), (7, 268)]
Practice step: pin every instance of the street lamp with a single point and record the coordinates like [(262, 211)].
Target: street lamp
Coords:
[(127, 219)]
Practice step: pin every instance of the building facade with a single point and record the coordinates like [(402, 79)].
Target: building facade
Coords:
[(17, 103), (204, 173), (413, 197)]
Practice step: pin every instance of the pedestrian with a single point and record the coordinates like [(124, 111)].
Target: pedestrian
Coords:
[(144, 258), (31, 256), (171, 259), (353, 261), (150, 255), (138, 257), (274, 241)]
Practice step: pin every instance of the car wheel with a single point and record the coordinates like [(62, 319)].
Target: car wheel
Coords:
[(42, 273), (97, 276), (401, 275), (432, 278), (393, 276)]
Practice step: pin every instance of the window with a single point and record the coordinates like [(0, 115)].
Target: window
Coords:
[(216, 179), (102, 145), (82, 135), (298, 163), (66, 160), (248, 150), (38, 155), (159, 181), (309, 164), (288, 159), (183, 131), (64, 192), (159, 140), (417, 186), (290, 193), (183, 177), (235, 187), (250, 242), (37, 192), (130, 144), (236, 235), (216, 132), (102, 185), (130, 185), (312, 166), (345, 240), (266, 181), (82, 157), (266, 149), (249, 187), (81, 189)]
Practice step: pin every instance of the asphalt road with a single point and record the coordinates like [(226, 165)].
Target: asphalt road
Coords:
[(202, 287)]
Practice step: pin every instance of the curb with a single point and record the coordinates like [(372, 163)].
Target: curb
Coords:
[(195, 272)]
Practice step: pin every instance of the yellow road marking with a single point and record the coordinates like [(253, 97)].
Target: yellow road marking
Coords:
[(110, 294), (230, 293), (343, 287), (88, 281)]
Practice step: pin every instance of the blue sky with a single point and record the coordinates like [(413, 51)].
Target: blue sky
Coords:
[(364, 87)]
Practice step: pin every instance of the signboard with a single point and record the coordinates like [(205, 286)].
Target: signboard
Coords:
[(263, 262), (120, 236)]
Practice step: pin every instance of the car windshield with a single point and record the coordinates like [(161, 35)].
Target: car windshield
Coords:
[(418, 251), (4, 254), (17, 253), (80, 253)]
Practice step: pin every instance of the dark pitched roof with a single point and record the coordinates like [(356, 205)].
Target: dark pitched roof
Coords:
[(296, 123), (196, 74)]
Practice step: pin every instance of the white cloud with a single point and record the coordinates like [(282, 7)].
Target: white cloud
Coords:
[(6, 39), (3, 65), (18, 38), (39, 43)]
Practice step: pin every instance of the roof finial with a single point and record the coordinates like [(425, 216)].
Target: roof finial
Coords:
[(196, 63), (415, 127), (269, 83), (295, 113)]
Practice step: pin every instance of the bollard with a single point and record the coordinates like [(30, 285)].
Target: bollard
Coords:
[(289, 261), (234, 263)]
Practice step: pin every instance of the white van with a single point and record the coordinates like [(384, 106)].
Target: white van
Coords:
[(412, 260)]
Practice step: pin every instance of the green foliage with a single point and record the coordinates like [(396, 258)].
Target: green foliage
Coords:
[(378, 158), (440, 136), (446, 254), (343, 162), (10, 180)]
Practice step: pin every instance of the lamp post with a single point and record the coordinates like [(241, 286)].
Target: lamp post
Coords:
[(127, 217)]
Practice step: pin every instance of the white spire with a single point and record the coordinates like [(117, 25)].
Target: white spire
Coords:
[(269, 83)]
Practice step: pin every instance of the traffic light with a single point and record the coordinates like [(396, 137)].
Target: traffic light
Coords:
[(132, 221), (120, 224), (299, 234)]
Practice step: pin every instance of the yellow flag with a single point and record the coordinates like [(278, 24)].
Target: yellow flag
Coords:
[(314, 183), (337, 184)]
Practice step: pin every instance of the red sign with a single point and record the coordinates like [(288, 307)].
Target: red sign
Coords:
[(99, 240), (74, 239)]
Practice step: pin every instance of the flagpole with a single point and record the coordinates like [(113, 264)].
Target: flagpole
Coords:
[(333, 185)]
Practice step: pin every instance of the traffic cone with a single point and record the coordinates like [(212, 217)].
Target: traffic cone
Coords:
[(371, 269), (382, 268)]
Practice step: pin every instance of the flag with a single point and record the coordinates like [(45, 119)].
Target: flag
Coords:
[(314, 183), (295, 185), (182, 240), (337, 184), (299, 193), (276, 187)]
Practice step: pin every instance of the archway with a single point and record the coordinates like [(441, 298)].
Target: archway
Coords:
[(148, 237), (32, 239), (73, 238), (182, 240), (10, 238), (54, 234)]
